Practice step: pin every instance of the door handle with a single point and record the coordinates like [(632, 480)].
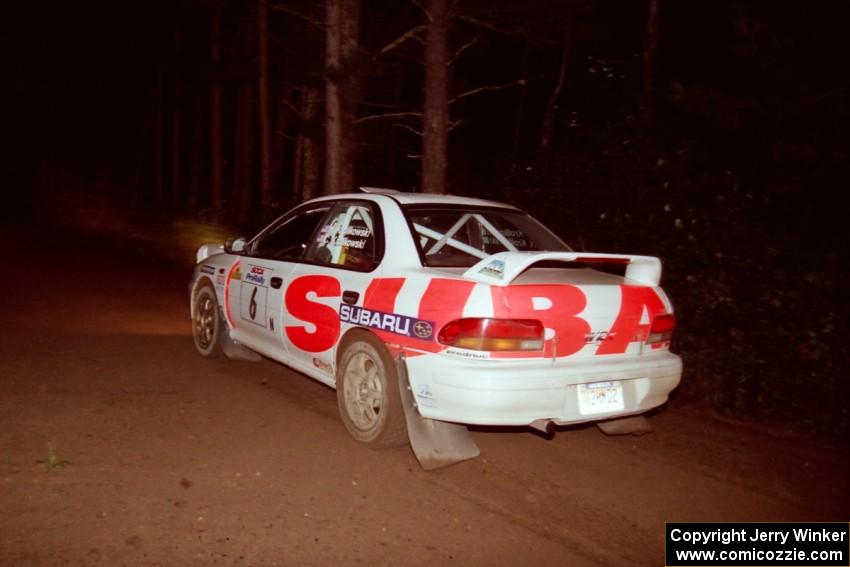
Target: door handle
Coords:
[(350, 297), (276, 282)]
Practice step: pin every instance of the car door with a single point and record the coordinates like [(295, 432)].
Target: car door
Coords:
[(256, 283), (337, 267)]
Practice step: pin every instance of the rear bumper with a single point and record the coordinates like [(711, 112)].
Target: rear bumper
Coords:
[(504, 392)]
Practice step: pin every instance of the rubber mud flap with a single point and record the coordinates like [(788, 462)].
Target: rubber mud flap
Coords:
[(634, 425), (436, 444), (234, 350)]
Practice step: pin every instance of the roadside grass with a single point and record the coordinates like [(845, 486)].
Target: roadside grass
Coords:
[(52, 461)]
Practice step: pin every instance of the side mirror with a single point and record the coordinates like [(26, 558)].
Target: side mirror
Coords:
[(235, 245)]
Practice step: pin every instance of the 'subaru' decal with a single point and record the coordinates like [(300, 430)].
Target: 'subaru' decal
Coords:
[(390, 322)]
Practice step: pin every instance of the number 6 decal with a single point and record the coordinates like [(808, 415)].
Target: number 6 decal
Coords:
[(252, 307)]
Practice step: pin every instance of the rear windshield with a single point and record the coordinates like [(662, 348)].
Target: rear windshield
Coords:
[(461, 237)]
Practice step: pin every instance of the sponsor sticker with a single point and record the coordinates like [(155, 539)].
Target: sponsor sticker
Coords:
[(495, 269), (425, 397), (390, 322), (256, 275), (207, 269), (469, 354)]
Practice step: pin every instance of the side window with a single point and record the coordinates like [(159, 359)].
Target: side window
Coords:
[(288, 239), (346, 238)]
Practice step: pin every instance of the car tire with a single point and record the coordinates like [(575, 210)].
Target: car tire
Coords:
[(206, 322), (367, 393)]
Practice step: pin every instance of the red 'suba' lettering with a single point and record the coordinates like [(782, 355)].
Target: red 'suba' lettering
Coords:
[(516, 302), (445, 299), (325, 318), (627, 327), (381, 294)]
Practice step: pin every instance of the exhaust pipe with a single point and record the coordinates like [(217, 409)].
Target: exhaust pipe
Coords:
[(544, 426)]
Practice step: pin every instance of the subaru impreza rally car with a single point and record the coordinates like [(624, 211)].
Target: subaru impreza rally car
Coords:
[(430, 312)]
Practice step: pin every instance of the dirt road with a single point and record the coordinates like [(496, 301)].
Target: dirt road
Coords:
[(177, 460)]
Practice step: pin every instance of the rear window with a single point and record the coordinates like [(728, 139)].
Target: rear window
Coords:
[(461, 237)]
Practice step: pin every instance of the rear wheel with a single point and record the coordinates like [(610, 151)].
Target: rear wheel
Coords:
[(206, 322), (367, 393)]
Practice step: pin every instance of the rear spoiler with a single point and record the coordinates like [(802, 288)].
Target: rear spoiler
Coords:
[(502, 268)]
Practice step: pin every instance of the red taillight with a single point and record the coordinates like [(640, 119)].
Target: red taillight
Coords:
[(662, 328), (493, 334)]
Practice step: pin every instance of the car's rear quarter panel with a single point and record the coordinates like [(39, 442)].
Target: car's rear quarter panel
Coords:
[(596, 326)]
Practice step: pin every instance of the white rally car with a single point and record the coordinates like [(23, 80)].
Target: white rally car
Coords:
[(429, 311)]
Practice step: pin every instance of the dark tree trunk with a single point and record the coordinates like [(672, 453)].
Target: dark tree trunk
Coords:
[(176, 146), (196, 145), (343, 22), (311, 146), (436, 111), (267, 196), (141, 162), (520, 111), (158, 142), (278, 143), (243, 153), (298, 158), (547, 133), (648, 63), (392, 153), (216, 151), (176, 127)]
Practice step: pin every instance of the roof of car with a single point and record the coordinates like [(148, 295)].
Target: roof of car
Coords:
[(427, 198)]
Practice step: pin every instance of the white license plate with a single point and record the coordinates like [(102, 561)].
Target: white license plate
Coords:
[(600, 397)]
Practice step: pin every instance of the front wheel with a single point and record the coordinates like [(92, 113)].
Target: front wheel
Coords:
[(206, 322), (367, 393)]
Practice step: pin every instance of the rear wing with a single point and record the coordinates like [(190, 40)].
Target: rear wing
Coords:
[(502, 268)]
